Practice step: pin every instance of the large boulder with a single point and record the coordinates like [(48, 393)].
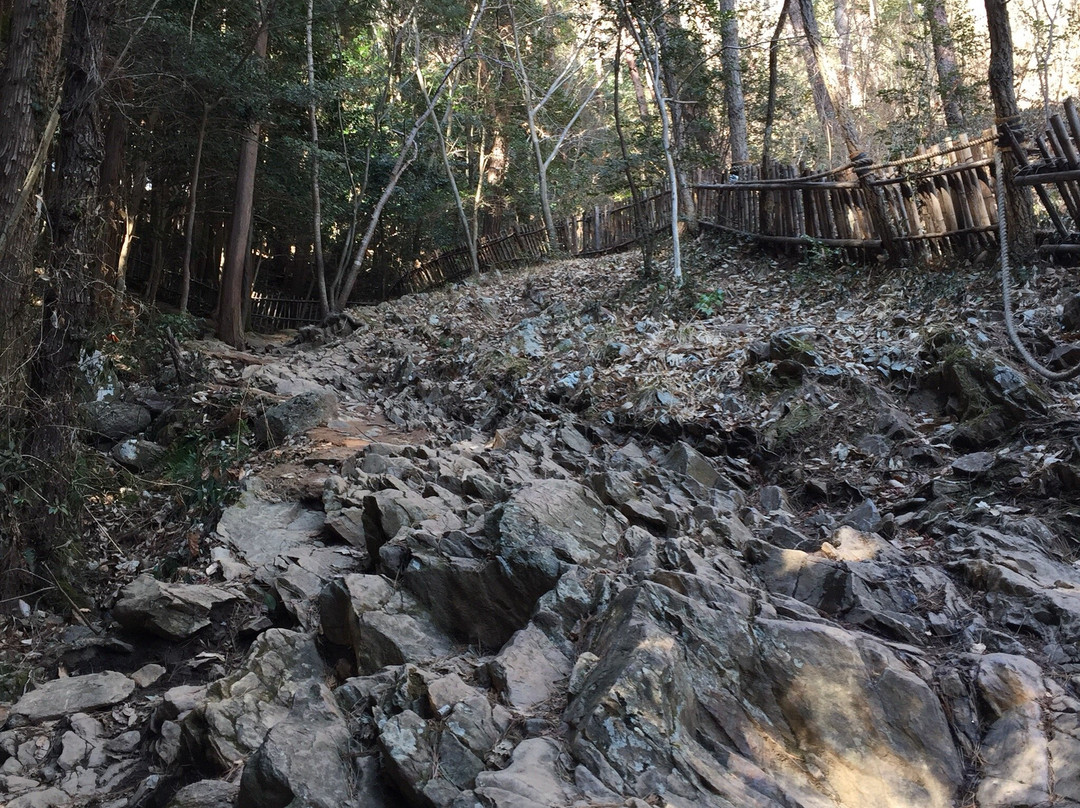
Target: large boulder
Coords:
[(487, 590), (73, 694), (241, 708), (172, 611), (383, 625), (258, 531), (115, 419), (989, 396), (299, 414), (206, 794), (304, 760), (434, 761), (532, 780), (702, 698)]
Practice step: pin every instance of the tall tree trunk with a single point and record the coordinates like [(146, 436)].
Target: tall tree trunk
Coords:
[(641, 226), (770, 107), (733, 90), (189, 221), (230, 326), (842, 24), (403, 161), (69, 308), (440, 136), (677, 121), (875, 198), (1018, 210), (116, 135), (819, 77), (316, 196), (639, 88), (640, 31), (26, 128), (823, 102), (131, 212), (945, 61)]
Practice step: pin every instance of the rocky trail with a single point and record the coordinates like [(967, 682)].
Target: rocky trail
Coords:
[(802, 537)]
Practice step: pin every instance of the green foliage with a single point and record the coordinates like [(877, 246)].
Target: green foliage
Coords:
[(710, 303), (818, 257), (206, 469)]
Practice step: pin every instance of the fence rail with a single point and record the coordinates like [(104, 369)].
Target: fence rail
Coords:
[(939, 201)]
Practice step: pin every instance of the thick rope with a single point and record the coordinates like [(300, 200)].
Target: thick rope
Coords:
[(1006, 287)]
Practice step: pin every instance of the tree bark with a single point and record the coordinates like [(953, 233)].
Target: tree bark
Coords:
[(130, 213), (842, 24), (1020, 216), (823, 102), (192, 202), (821, 79), (945, 62), (640, 31), (641, 226), (27, 125), (230, 326), (26, 85), (733, 89), (316, 195), (770, 107), (69, 303)]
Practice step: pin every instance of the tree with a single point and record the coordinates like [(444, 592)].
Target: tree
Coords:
[(26, 130), (949, 80), (316, 194), (230, 326), (733, 88), (1020, 216), (535, 102), (68, 311), (640, 29), (404, 158)]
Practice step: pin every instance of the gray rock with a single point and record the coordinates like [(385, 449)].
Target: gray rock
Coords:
[(384, 626), (206, 794), (138, 454), (530, 669), (303, 761), (50, 797), (74, 694), (1064, 751), (974, 464), (148, 674), (989, 396), (1070, 314), (115, 419), (534, 779), (791, 697), (1015, 761), (773, 498), (393, 510), (864, 516), (259, 531), (1006, 681), (299, 414), (688, 461), (429, 766), (348, 525), (172, 611), (241, 708), (542, 530), (73, 750)]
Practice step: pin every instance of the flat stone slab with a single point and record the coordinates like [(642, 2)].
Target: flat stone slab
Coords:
[(260, 531), (75, 694)]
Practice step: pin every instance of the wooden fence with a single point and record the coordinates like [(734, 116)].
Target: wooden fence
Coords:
[(939, 201)]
